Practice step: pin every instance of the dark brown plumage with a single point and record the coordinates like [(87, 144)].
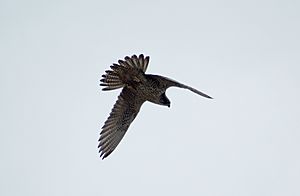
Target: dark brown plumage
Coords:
[(138, 87)]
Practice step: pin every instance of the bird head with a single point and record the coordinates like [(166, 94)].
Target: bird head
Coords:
[(164, 100)]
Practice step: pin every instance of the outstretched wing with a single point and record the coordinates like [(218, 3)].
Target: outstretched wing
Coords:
[(123, 113), (167, 82)]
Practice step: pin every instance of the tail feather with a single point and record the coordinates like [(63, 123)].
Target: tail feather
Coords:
[(128, 62), (145, 63), (124, 70), (113, 87)]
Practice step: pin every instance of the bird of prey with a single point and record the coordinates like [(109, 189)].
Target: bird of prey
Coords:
[(138, 87)]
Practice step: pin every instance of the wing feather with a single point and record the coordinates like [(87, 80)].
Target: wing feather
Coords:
[(123, 113)]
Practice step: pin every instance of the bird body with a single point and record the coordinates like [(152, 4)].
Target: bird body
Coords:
[(138, 88)]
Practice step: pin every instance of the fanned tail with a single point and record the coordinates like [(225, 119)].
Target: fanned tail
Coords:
[(124, 72), (111, 80)]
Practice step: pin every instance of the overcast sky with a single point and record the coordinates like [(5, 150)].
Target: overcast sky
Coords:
[(244, 142)]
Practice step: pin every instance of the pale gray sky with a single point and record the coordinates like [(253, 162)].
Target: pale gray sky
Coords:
[(245, 54)]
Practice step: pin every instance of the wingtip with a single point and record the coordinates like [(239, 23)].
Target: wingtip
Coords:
[(103, 154), (102, 157)]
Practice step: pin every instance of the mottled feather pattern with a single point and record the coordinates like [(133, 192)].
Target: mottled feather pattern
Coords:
[(138, 87), (120, 118)]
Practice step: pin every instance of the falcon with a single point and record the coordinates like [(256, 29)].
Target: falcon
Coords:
[(137, 88)]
